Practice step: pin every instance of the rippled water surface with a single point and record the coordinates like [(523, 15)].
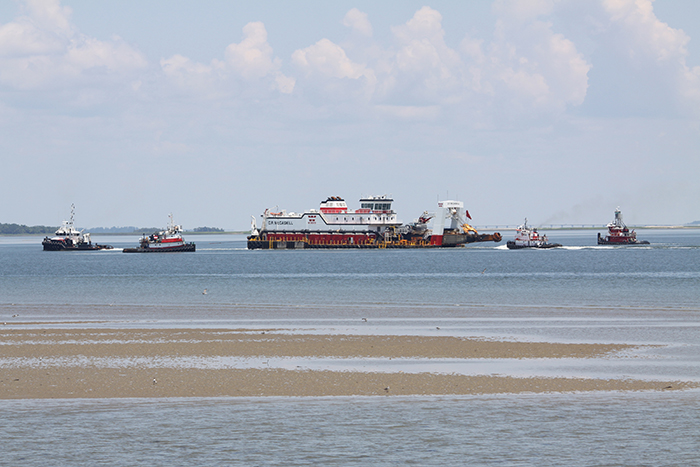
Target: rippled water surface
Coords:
[(665, 274), (579, 293), (551, 430)]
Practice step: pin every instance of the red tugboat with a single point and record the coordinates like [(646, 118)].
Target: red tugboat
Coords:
[(526, 237), (374, 225), (68, 238), (619, 234), (169, 240)]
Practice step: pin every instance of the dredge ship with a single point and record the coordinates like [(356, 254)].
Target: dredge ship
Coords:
[(168, 240), (68, 238), (619, 234), (374, 225), (526, 237)]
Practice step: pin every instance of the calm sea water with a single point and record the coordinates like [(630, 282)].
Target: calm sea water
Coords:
[(338, 283), (580, 293)]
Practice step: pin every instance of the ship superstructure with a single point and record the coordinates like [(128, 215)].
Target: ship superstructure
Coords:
[(374, 225)]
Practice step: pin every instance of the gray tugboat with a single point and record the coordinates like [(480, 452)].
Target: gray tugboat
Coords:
[(68, 238)]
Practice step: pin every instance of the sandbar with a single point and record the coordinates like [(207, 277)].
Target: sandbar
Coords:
[(119, 363)]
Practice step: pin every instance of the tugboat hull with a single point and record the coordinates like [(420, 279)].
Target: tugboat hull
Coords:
[(543, 246), (617, 241), (527, 238), (188, 247), (58, 245)]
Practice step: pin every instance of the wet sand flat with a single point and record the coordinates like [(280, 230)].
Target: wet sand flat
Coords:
[(113, 363)]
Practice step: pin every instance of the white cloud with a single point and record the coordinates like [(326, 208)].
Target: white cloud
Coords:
[(358, 22), (423, 49), (652, 47), (526, 68), (645, 31), (50, 16), (284, 83), (178, 65), (189, 75), (426, 24), (42, 50), (423, 69), (116, 56), (330, 72), (410, 112), (329, 59), (22, 37), (251, 59), (520, 11), (529, 65)]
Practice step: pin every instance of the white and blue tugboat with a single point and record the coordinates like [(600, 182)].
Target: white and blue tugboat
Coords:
[(529, 238), (68, 238)]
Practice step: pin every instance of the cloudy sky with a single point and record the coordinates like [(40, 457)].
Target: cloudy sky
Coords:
[(555, 110)]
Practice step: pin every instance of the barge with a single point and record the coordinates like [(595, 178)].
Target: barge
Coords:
[(373, 225)]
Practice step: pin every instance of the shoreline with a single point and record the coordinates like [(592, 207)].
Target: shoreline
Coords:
[(52, 363)]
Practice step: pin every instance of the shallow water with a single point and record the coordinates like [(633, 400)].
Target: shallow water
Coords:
[(544, 430), (580, 293)]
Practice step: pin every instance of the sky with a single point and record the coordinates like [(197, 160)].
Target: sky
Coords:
[(555, 110)]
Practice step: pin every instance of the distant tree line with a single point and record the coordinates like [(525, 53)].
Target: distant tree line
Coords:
[(113, 230), (19, 229), (146, 230), (207, 229)]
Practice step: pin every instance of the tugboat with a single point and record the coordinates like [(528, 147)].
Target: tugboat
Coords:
[(68, 238), (619, 234), (529, 238), (165, 241), (374, 225)]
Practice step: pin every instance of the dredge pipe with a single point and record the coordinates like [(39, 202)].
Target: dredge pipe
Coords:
[(494, 237)]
